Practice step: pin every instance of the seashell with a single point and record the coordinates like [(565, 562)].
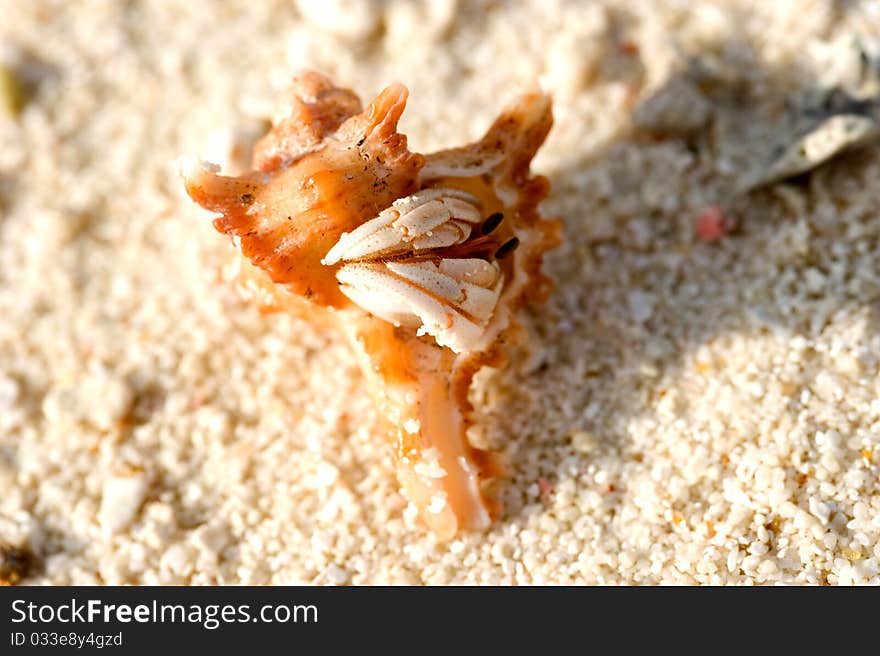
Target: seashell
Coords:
[(839, 115), (421, 260)]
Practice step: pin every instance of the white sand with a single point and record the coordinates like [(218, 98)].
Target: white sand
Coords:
[(691, 413)]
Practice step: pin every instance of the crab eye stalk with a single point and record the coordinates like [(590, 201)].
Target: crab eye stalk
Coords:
[(507, 248), (491, 222)]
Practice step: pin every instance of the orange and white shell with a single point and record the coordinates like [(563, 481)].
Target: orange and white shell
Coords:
[(422, 261)]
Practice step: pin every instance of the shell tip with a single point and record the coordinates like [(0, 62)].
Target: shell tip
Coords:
[(190, 167)]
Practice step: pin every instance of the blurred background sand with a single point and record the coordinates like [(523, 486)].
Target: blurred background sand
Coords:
[(690, 412)]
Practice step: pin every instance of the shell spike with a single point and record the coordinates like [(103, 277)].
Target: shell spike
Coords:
[(217, 192), (386, 110), (376, 128)]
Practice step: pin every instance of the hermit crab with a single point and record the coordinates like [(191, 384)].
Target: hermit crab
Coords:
[(422, 261)]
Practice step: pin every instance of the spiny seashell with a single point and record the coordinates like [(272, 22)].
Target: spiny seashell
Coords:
[(421, 260)]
